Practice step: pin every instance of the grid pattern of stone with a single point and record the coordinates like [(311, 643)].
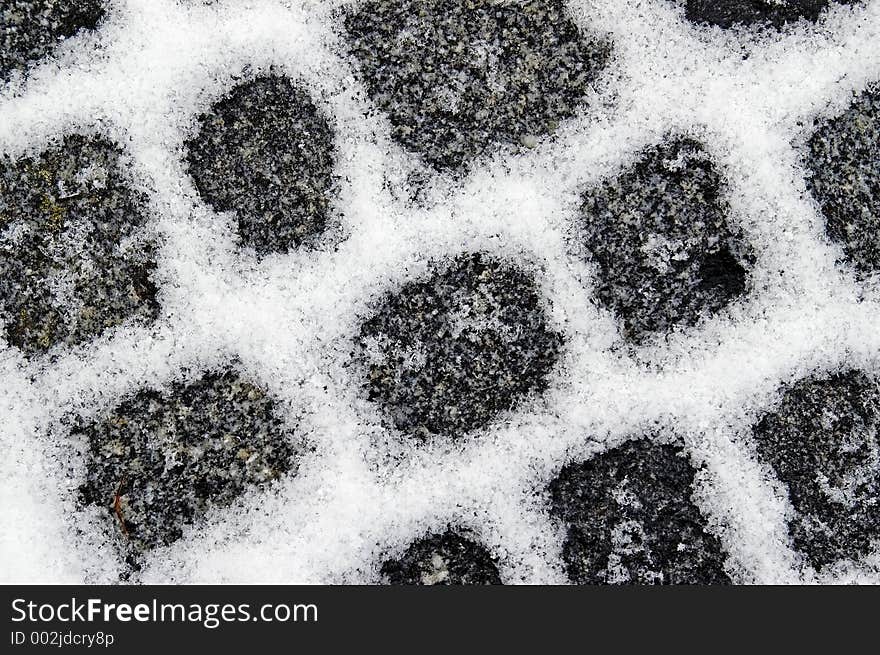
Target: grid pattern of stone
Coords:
[(291, 321)]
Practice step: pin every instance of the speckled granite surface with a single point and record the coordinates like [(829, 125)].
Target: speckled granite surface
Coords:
[(454, 352), (732, 13), (487, 74), (660, 229), (845, 178), (446, 355), (165, 459), (74, 263), (442, 559), (31, 29), (265, 152), (822, 442), (629, 519)]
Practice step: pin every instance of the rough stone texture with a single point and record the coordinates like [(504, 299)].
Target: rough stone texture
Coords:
[(168, 456), (844, 177), (459, 76), (266, 152), (448, 353), (822, 441), (72, 260), (727, 13), (630, 520), (31, 29), (660, 242), (443, 559)]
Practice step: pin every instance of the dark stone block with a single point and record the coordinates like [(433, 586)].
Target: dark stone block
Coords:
[(457, 77), (159, 460), (266, 152), (727, 13), (448, 353), (65, 274), (443, 559), (659, 239), (630, 519), (31, 29), (844, 177), (822, 441)]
